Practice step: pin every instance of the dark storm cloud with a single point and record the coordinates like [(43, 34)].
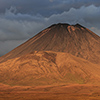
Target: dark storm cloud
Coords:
[(6, 46), (89, 16), (27, 6), (45, 7), (19, 26)]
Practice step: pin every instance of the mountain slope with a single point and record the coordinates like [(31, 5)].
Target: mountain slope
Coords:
[(74, 39), (60, 54), (48, 68)]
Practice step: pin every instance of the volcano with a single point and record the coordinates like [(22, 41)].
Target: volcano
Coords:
[(60, 53), (59, 56), (74, 39)]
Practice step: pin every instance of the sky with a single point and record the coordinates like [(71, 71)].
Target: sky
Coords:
[(22, 19)]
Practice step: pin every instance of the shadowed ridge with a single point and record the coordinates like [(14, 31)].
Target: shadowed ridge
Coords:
[(59, 25), (78, 25)]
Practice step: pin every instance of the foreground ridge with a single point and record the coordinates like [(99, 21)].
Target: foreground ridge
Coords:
[(48, 68)]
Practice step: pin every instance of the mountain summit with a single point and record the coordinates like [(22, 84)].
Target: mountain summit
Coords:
[(74, 39)]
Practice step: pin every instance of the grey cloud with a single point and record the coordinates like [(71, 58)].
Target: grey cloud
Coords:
[(6, 46), (12, 30), (45, 7), (87, 16), (19, 26)]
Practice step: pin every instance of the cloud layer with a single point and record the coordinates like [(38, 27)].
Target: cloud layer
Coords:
[(17, 27), (45, 8)]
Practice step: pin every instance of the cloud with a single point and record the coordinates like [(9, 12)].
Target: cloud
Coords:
[(18, 27), (51, 0), (87, 16), (6, 46), (96, 30), (45, 8)]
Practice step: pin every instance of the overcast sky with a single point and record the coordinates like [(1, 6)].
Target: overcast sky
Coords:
[(22, 19)]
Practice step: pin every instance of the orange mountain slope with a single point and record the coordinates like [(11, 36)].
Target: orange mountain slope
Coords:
[(48, 68)]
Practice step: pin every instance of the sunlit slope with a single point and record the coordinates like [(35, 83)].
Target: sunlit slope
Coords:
[(48, 68)]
